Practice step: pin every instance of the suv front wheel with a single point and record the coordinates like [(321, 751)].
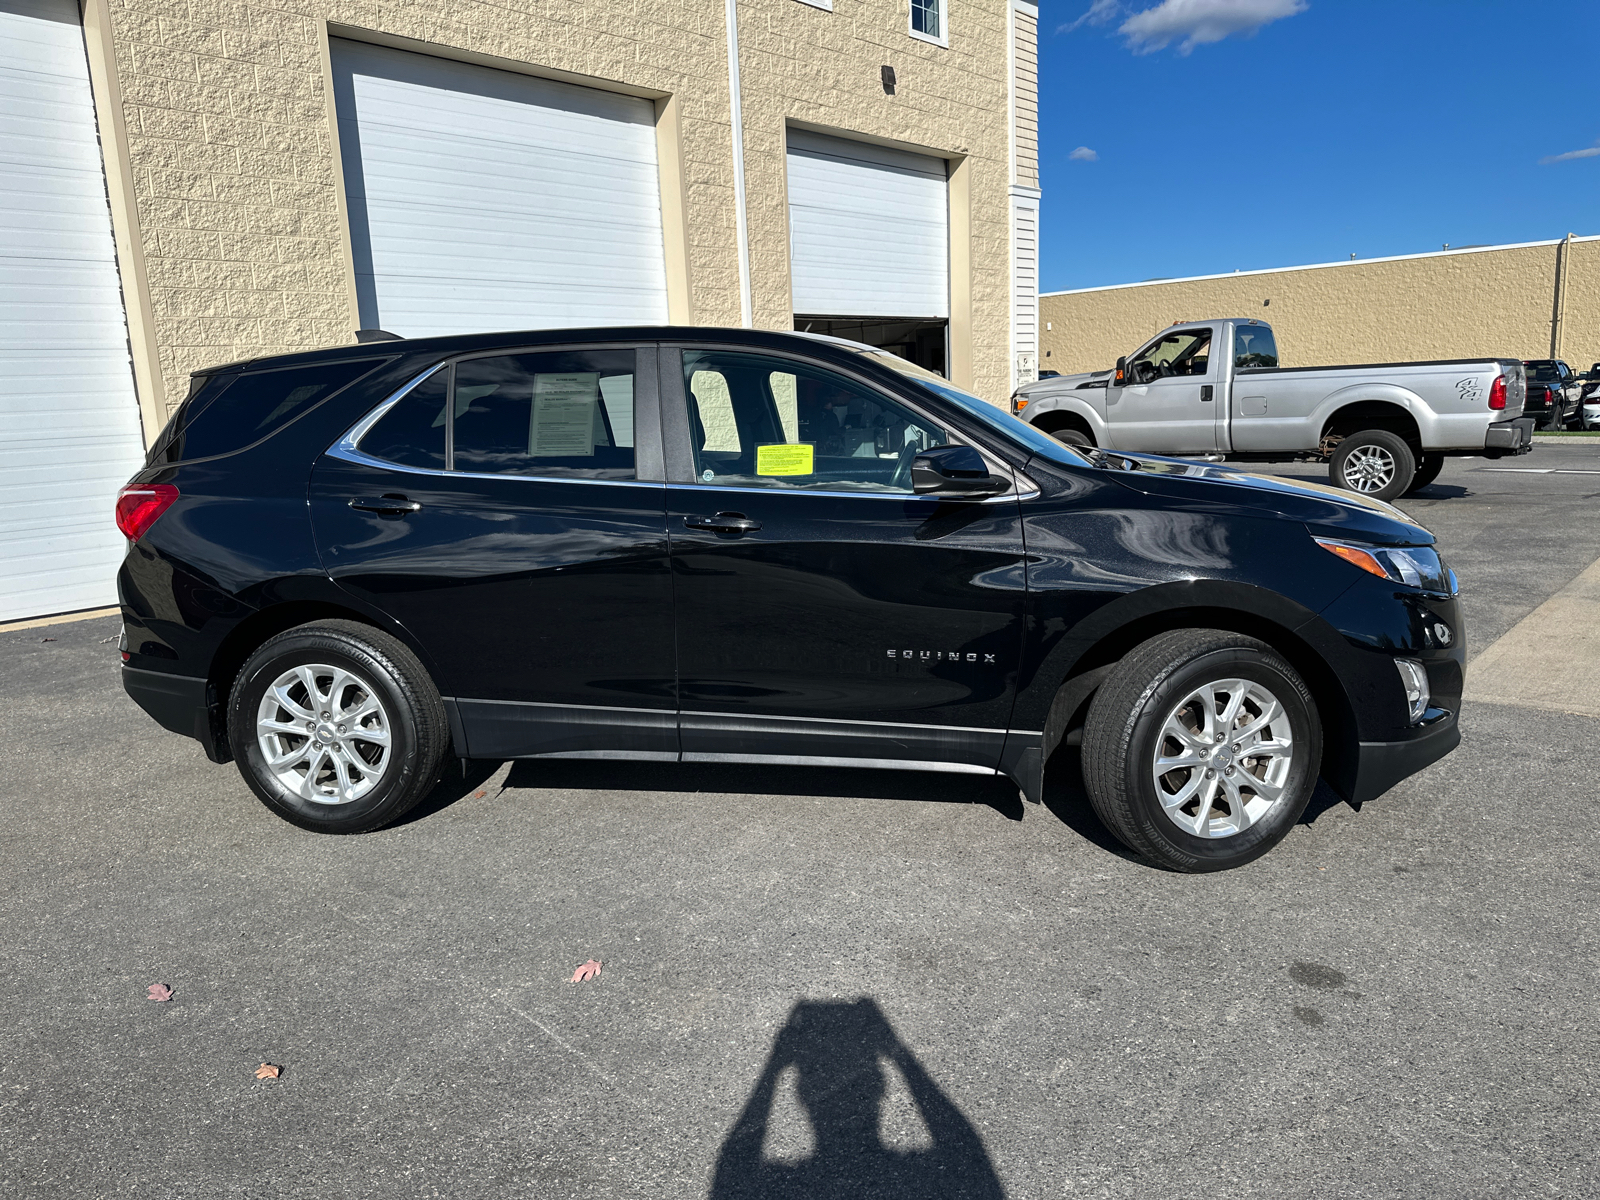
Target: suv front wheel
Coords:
[(1201, 749), (337, 727)]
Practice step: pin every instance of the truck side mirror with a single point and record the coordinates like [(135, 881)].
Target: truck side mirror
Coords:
[(953, 471), (1121, 376)]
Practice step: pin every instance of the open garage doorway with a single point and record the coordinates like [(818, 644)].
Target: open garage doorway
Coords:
[(922, 341)]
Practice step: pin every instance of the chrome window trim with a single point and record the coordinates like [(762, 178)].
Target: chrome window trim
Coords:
[(349, 449)]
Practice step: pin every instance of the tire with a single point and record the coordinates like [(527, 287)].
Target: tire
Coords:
[(1075, 438), (1373, 463), (1427, 471), (349, 777), (1159, 682)]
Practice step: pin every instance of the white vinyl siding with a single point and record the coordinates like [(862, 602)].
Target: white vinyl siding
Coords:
[(869, 229), (69, 420), (484, 200), (1025, 278)]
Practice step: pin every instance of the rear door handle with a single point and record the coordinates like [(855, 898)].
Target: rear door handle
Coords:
[(390, 506), (724, 522)]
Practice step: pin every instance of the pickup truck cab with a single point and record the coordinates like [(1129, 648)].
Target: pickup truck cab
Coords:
[(1217, 389)]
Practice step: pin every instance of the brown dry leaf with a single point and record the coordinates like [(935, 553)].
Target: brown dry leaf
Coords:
[(159, 991), (479, 795), (588, 971), (267, 1071)]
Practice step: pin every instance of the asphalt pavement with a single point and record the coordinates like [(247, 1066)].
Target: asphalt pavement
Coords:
[(815, 982)]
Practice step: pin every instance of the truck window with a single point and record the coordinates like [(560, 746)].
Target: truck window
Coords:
[(1254, 346), (1186, 352)]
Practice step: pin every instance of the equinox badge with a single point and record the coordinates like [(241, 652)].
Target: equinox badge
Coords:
[(941, 656)]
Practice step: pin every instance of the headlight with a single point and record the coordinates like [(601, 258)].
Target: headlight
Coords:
[(1415, 566), (1414, 679)]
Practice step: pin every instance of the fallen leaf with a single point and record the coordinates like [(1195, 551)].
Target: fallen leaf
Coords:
[(47, 639), (588, 971), (267, 1071), (159, 991), (479, 795)]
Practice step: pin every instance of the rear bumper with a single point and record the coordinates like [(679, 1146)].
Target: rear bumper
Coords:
[(180, 703), (1381, 765), (1510, 437)]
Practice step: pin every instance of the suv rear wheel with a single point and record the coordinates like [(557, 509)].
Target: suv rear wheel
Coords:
[(1201, 749), (337, 727), (1375, 463)]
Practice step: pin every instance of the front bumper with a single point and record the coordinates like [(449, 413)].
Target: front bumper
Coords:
[(1510, 437), (1381, 765)]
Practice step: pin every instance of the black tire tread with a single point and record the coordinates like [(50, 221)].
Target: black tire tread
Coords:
[(432, 727)]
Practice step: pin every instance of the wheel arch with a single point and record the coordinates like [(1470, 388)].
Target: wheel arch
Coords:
[(1363, 410), (1070, 413), (1289, 628)]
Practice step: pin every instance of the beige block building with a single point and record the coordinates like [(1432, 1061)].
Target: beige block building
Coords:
[(198, 181), (1533, 300)]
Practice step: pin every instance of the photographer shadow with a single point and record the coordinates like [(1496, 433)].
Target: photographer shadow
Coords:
[(837, 1051)]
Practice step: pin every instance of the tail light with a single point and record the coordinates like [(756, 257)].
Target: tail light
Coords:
[(140, 504), (1497, 392)]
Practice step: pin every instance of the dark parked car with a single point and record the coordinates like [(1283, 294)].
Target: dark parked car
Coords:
[(347, 567), (1552, 398)]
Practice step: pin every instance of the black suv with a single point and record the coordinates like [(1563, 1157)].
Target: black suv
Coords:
[(347, 566)]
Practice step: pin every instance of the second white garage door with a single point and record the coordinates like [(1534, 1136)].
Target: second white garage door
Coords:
[(483, 199), (869, 229)]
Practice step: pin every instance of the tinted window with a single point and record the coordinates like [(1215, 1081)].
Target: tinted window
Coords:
[(220, 420), (1254, 346), (566, 413), (757, 421), (413, 431), (1542, 372)]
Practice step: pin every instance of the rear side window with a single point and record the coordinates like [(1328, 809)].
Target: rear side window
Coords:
[(564, 414), (222, 419), (1254, 346)]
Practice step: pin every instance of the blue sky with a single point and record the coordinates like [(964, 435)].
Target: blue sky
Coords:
[(1371, 127)]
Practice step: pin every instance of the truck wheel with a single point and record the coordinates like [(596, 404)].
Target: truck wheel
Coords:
[(1201, 749), (337, 727), (1375, 463), (1427, 471), (1074, 438)]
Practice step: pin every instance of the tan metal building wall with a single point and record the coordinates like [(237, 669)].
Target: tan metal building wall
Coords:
[(219, 131), (1492, 300)]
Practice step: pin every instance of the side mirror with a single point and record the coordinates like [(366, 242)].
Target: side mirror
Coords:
[(953, 471), (1121, 376)]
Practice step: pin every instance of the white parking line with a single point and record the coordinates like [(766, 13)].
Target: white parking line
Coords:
[(1540, 470)]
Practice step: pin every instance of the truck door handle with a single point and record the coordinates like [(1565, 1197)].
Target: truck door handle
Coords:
[(1205, 391), (724, 522), (389, 506)]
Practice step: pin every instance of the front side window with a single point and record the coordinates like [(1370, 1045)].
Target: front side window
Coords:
[(559, 414), (1254, 346), (757, 421), (1186, 352), (927, 18)]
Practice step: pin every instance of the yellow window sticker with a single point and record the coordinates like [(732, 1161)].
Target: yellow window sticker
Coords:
[(784, 459)]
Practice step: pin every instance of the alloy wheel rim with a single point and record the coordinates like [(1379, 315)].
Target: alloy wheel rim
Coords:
[(1369, 469), (1223, 758), (323, 734)]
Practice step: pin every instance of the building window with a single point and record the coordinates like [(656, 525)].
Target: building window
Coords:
[(927, 21)]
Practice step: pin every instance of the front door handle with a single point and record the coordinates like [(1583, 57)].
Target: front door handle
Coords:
[(724, 522), (389, 506), (1205, 391)]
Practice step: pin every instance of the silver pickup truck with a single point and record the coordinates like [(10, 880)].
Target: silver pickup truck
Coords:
[(1215, 389)]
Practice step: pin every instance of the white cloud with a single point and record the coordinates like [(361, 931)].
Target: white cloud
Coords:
[(1084, 154), (1200, 22), (1592, 152), (1101, 12)]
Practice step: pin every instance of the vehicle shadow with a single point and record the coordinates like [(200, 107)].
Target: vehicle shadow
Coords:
[(1438, 491), (747, 779), (838, 1054), (1068, 801), (460, 780)]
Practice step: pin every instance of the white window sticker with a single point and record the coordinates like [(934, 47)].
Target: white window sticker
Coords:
[(564, 413)]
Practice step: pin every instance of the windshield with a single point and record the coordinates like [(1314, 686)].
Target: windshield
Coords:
[(997, 419)]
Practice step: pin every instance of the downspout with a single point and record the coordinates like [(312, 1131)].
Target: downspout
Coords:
[(1563, 269), (736, 118)]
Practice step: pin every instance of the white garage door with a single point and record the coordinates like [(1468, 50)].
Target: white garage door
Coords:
[(869, 229), (69, 420), (483, 199)]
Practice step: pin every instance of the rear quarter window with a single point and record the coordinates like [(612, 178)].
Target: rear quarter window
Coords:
[(228, 413)]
